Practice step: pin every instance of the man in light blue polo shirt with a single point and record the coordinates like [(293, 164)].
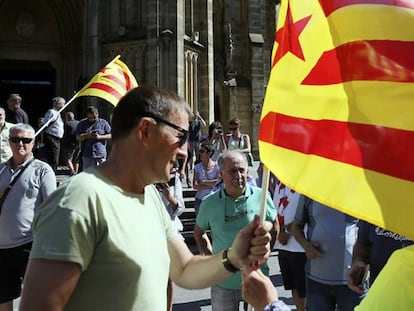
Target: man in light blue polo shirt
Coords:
[(225, 212)]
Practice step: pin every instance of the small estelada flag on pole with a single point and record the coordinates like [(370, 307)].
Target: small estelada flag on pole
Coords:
[(111, 83), (338, 117)]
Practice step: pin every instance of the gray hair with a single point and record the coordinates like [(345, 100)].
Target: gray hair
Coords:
[(22, 127), (58, 101), (230, 154), (15, 96), (70, 115)]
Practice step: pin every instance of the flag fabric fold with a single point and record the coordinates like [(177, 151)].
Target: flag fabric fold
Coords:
[(110, 83), (338, 119)]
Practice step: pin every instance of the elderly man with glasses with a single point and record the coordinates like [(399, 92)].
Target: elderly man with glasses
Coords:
[(25, 182), (225, 212)]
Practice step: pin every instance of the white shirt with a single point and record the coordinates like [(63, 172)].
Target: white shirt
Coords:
[(286, 202)]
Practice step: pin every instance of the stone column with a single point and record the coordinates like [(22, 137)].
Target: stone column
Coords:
[(92, 61)]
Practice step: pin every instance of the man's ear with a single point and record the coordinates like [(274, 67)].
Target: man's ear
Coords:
[(144, 130)]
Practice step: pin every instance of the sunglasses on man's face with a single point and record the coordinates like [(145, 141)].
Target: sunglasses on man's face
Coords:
[(24, 140), (182, 139)]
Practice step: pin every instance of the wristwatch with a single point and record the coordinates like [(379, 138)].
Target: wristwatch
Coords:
[(227, 264)]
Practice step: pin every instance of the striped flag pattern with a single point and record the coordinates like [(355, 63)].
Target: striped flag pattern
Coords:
[(111, 83), (338, 117)]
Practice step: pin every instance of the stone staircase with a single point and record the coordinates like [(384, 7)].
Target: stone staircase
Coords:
[(188, 218), (62, 174)]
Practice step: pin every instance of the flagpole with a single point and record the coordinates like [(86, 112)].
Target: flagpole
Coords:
[(265, 188), (97, 79), (52, 119), (262, 212), (71, 100)]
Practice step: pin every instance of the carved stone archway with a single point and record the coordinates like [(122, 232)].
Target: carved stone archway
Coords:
[(40, 51)]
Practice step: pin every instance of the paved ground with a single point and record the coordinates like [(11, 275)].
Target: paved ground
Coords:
[(199, 300)]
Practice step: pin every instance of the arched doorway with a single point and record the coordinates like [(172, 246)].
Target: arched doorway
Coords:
[(33, 80), (40, 52)]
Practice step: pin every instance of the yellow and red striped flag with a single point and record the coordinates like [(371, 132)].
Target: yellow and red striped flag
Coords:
[(338, 117), (111, 83)]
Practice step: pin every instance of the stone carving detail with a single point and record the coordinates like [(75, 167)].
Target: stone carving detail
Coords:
[(25, 24)]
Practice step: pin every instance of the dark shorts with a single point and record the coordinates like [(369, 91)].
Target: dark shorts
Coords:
[(70, 153), (292, 267), (13, 263)]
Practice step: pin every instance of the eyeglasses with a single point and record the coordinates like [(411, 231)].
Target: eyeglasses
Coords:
[(233, 128), (24, 140), (183, 138), (237, 209)]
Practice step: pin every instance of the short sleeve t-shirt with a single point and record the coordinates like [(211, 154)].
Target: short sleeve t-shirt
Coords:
[(394, 287), (336, 233), (93, 148), (119, 239), (383, 244)]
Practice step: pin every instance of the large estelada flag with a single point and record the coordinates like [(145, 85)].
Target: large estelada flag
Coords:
[(111, 83), (338, 118)]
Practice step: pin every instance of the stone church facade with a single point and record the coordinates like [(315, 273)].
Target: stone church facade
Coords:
[(214, 53)]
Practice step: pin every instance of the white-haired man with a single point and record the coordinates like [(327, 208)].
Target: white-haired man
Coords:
[(53, 132), (25, 182)]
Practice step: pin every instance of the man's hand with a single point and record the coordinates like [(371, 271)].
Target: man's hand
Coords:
[(312, 250), (257, 289), (164, 188), (94, 135), (252, 244), (283, 237), (357, 276)]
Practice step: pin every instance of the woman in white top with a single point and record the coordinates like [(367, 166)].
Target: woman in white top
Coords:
[(206, 174), (237, 140)]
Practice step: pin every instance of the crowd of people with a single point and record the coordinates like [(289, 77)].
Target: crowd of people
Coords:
[(28, 176), (110, 237)]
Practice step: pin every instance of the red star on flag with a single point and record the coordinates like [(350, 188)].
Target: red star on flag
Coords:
[(288, 37)]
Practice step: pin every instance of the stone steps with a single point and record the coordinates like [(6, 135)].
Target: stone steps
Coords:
[(188, 218)]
